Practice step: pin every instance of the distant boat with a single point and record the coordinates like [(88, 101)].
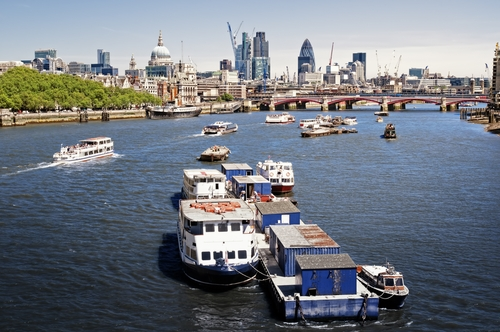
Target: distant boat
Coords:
[(382, 113), (390, 131), (215, 153), (172, 112), (87, 149), (220, 128), (350, 120), (379, 119), (283, 118)]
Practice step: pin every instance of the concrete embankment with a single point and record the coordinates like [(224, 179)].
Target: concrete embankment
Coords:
[(9, 119)]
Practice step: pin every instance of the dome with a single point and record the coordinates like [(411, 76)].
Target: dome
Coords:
[(160, 51)]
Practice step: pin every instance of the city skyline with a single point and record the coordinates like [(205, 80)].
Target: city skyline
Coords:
[(447, 38)]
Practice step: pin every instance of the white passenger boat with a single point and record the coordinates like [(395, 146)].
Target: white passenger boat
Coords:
[(280, 174), (87, 149), (203, 184), (283, 118), (320, 120), (217, 242), (220, 128), (350, 120), (386, 282)]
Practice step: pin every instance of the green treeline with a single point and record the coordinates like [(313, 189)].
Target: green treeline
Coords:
[(22, 88)]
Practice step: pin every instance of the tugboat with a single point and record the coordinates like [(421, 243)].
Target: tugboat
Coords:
[(390, 131), (386, 282)]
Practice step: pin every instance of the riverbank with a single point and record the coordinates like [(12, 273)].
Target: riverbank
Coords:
[(10, 119)]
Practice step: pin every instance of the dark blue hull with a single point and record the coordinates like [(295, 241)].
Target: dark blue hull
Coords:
[(221, 276)]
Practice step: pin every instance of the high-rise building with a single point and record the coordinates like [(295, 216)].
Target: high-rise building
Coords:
[(361, 57), (261, 64), (306, 56), (42, 54), (103, 58), (226, 65)]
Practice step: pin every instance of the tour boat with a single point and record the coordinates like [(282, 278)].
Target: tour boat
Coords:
[(215, 153), (220, 128), (280, 174), (217, 242), (87, 149), (320, 120), (204, 184), (386, 282), (172, 112), (390, 131), (282, 118)]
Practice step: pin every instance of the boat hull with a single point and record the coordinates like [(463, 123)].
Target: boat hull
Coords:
[(386, 300), (220, 276), (159, 115), (83, 159), (281, 189)]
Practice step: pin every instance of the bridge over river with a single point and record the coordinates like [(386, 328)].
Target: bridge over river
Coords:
[(387, 103)]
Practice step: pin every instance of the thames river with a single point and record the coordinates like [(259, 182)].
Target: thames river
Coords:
[(92, 246)]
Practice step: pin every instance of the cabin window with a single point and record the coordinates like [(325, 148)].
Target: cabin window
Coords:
[(86, 153), (231, 254), (242, 254), (399, 282), (209, 228), (195, 228), (222, 227), (192, 253), (205, 255), (235, 227), (253, 251), (216, 186), (217, 254), (389, 282)]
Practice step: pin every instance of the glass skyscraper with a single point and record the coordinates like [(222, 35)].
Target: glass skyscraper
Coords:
[(306, 56)]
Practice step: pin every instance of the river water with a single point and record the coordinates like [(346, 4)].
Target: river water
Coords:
[(92, 246)]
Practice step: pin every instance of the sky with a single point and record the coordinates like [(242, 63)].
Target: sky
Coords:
[(450, 37)]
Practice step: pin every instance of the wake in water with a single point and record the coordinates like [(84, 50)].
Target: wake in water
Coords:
[(31, 167), (43, 165)]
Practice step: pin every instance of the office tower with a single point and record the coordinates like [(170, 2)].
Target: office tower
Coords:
[(361, 57), (42, 54), (306, 56)]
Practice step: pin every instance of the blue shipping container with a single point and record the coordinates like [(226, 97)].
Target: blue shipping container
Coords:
[(288, 241), (326, 274)]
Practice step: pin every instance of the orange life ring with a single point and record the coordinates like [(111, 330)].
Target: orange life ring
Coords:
[(271, 174), (287, 173)]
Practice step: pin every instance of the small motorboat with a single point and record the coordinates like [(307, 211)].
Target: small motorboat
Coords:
[(386, 282), (215, 153)]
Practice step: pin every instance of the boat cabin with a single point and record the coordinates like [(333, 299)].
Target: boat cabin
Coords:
[(204, 184)]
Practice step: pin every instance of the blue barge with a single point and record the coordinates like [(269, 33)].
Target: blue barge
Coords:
[(309, 279)]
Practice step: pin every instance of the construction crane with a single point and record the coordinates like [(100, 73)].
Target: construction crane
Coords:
[(396, 69), (378, 65), (233, 39), (331, 55)]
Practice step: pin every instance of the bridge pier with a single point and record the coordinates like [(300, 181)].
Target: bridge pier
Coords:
[(384, 107), (452, 107), (324, 106), (348, 104), (443, 107), (271, 106)]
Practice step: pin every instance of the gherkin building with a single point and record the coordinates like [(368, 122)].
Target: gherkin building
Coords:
[(306, 56)]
